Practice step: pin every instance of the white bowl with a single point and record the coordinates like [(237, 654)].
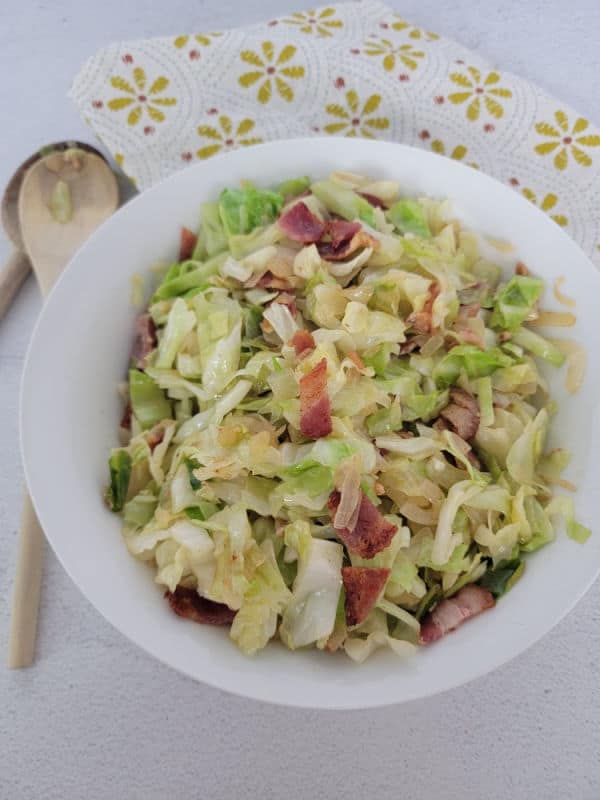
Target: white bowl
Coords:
[(70, 412)]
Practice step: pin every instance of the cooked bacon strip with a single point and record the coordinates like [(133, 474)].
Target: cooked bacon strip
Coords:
[(155, 436), (270, 281), (187, 244), (341, 231), (188, 603), (289, 300), (409, 345), (470, 601), (362, 587), (372, 532), (302, 341), (421, 321), (300, 225), (521, 269), (315, 408), (144, 340), (441, 425), (462, 414), (330, 252), (372, 199)]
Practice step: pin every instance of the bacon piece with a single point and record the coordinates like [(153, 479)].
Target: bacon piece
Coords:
[(362, 587), (270, 281), (315, 408), (302, 341), (144, 340), (300, 225), (187, 244), (331, 252), (440, 425), (372, 199), (188, 603), (462, 414), (155, 436), (289, 300), (421, 321), (464, 446), (372, 532), (473, 460), (341, 231), (470, 601), (409, 345), (126, 418), (521, 269)]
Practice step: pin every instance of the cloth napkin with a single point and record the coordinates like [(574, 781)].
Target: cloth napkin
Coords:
[(355, 69)]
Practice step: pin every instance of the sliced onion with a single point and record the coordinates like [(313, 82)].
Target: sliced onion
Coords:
[(576, 362), (554, 319), (500, 245), (432, 346), (281, 264), (562, 482), (422, 516), (347, 482), (562, 298), (283, 323)]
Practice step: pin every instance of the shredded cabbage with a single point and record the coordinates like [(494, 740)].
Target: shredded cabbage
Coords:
[(432, 392)]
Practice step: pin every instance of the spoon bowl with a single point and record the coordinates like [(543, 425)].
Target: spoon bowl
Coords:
[(64, 197), (17, 266)]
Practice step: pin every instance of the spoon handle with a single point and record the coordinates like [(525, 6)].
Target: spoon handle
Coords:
[(12, 276), (26, 595)]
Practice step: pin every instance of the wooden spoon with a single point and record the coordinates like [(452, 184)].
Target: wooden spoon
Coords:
[(17, 267), (64, 197)]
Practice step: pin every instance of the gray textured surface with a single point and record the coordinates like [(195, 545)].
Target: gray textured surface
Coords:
[(96, 718)]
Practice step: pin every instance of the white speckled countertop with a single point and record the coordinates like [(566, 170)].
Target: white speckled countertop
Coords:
[(96, 718)]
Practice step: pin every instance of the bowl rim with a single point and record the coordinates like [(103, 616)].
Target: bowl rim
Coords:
[(215, 680)]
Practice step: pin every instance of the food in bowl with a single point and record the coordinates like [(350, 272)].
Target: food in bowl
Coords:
[(335, 422)]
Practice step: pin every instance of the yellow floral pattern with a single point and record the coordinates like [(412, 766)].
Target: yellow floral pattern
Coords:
[(392, 53), (140, 99), (269, 69), (322, 22), (458, 153), (352, 69), (224, 136), (564, 139), (413, 32), (352, 119), (205, 39), (474, 90), (547, 204), (120, 160)]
